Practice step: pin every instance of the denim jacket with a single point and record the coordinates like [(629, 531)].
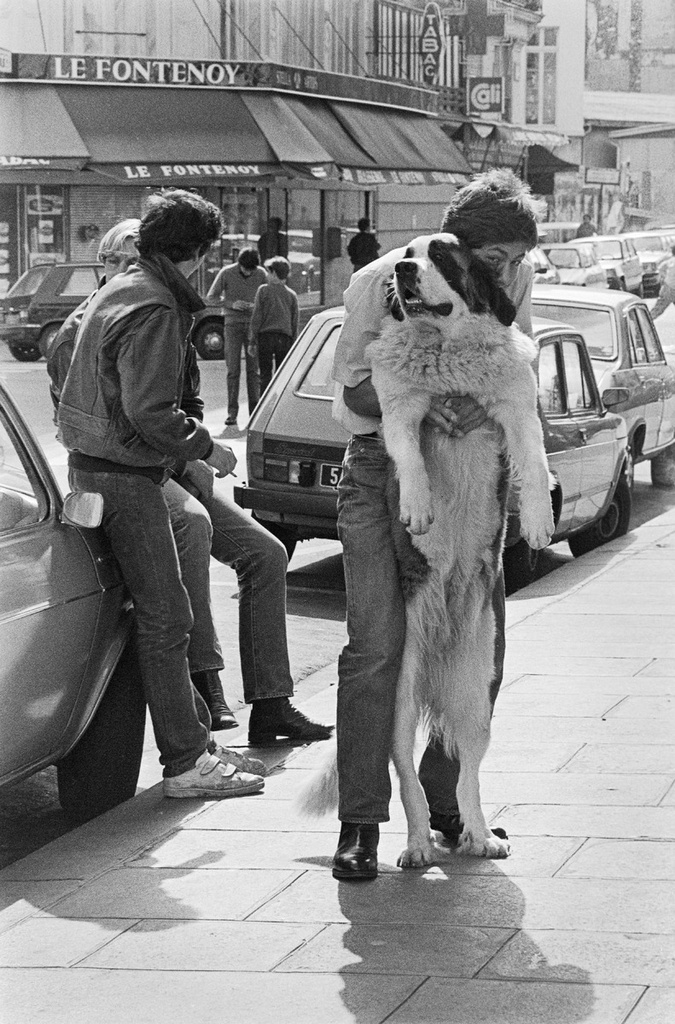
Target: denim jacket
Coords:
[(121, 399)]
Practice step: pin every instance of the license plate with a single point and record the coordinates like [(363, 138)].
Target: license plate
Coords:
[(330, 475)]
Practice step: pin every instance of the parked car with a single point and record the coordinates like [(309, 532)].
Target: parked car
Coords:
[(577, 263), (37, 304), (621, 262), (625, 352), (71, 689), (295, 447), (544, 271), (653, 249)]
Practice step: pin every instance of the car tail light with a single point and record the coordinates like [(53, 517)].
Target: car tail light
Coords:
[(288, 471), (255, 466), (23, 314), (275, 470)]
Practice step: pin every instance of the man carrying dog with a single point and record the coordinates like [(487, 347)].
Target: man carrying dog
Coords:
[(496, 216)]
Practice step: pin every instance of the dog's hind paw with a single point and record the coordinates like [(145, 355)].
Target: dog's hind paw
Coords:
[(537, 527), (488, 845), (417, 855)]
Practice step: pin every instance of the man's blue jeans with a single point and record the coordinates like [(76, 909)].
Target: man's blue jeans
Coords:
[(260, 562), (236, 338), (136, 521), (369, 665)]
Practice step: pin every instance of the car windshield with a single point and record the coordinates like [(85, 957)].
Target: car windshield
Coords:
[(609, 250), (318, 381), (564, 259), (648, 243), (29, 282), (596, 325)]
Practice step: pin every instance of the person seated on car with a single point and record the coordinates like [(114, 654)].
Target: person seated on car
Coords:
[(215, 526)]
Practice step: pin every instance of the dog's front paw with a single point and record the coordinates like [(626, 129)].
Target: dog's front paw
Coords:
[(483, 845), (417, 511), (417, 854), (537, 525)]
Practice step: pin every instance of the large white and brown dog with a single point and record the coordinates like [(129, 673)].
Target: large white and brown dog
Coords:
[(452, 332)]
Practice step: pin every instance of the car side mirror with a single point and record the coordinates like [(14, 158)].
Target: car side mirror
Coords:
[(83, 508), (615, 396)]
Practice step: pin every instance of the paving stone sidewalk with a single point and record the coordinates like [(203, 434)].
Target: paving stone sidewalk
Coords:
[(185, 911)]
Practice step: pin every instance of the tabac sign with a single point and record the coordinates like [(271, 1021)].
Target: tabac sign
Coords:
[(431, 43)]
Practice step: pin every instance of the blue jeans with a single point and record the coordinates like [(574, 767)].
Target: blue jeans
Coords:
[(136, 521), (369, 665), (236, 338), (260, 562)]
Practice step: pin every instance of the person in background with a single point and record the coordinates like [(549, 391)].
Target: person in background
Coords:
[(496, 216), (274, 323), (586, 228), (119, 418), (273, 241), (667, 290), (364, 247), (235, 288)]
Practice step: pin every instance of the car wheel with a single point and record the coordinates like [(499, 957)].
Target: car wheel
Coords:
[(286, 534), (102, 770), (613, 524), (520, 565), (209, 341), (47, 335), (663, 468), (25, 353)]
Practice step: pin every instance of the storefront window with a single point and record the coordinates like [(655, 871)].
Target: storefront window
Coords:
[(9, 264), (304, 245), (44, 234), (243, 211)]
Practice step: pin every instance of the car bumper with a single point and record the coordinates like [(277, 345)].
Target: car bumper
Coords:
[(295, 508), (20, 334)]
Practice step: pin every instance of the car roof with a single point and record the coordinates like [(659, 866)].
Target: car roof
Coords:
[(571, 295)]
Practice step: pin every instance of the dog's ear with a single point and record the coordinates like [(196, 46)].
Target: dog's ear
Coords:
[(393, 302), (485, 293)]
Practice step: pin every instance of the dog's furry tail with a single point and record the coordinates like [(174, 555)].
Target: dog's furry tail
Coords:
[(319, 796)]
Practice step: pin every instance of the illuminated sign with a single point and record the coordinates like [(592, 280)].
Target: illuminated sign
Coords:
[(485, 96), (431, 43)]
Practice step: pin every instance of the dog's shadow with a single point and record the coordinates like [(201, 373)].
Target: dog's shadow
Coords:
[(447, 943)]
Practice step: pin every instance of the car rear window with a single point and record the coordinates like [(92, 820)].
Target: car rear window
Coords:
[(80, 281), (318, 381), (596, 325), (648, 243), (610, 249), (28, 283), (565, 259)]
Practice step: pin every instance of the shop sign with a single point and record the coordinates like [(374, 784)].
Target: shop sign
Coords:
[(216, 74), (141, 171), (485, 96), (369, 176), (431, 43), (13, 163), (602, 176)]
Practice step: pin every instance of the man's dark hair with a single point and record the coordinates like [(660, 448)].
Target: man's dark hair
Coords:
[(279, 265), (178, 225), (248, 258), (363, 224), (495, 207)]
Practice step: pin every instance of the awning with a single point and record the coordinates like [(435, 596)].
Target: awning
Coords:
[(519, 135), (542, 161), (401, 142), (36, 132)]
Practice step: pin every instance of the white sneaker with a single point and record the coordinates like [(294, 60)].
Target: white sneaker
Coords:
[(210, 779), (242, 763)]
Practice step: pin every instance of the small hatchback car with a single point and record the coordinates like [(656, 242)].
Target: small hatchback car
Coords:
[(621, 262), (626, 353), (37, 304), (577, 264), (70, 683), (295, 447)]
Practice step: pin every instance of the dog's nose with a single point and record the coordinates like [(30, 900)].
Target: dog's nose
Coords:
[(406, 270)]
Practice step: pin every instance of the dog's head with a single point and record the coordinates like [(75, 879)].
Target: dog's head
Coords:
[(439, 274)]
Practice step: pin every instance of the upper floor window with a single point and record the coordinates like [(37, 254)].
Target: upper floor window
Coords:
[(541, 75)]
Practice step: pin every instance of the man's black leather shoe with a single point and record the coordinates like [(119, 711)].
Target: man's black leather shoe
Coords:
[(276, 717), (356, 856), (209, 687)]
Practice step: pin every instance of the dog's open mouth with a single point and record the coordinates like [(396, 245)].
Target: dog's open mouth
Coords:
[(414, 305)]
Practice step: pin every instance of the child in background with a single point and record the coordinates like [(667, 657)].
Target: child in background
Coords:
[(274, 323)]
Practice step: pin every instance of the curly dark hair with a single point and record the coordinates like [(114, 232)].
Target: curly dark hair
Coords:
[(494, 207), (248, 258), (178, 224)]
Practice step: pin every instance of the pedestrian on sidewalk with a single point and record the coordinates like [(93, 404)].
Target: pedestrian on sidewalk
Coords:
[(364, 246), (120, 420), (274, 323), (667, 290), (496, 216), (235, 288)]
